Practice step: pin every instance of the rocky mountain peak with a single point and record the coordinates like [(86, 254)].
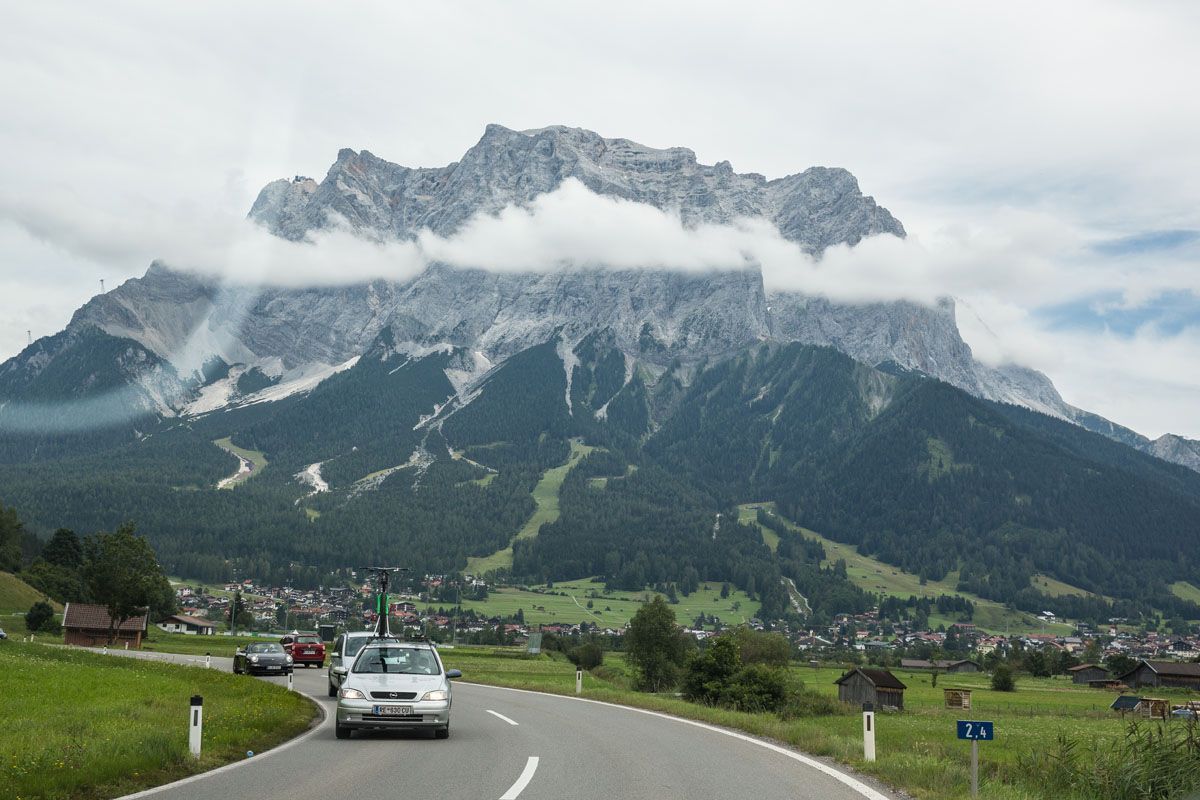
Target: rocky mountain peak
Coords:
[(815, 208)]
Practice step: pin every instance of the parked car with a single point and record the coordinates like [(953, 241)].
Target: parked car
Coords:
[(345, 650), (3, 635), (1184, 713), (263, 658), (395, 685), (306, 649)]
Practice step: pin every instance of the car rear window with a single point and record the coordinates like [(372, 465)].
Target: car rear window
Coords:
[(308, 640)]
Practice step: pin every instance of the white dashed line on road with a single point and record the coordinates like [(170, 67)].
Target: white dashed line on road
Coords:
[(501, 716), (526, 776)]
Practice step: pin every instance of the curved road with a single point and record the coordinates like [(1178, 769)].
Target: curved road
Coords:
[(559, 747)]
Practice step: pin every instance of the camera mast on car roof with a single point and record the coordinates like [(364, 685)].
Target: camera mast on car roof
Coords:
[(382, 607)]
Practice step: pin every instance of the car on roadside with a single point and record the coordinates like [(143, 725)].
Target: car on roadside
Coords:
[(344, 651), (306, 649), (262, 658), (3, 635), (395, 685)]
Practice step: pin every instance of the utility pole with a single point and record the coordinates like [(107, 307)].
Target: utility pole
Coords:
[(30, 335), (102, 286)]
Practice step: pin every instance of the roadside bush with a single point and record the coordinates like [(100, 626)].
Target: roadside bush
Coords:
[(1002, 679), (756, 687), (40, 618), (587, 656), (709, 673), (718, 677)]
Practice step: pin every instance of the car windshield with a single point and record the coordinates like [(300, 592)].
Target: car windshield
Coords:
[(399, 660), (264, 647)]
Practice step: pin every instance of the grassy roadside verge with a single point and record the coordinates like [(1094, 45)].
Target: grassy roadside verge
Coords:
[(918, 751), (82, 726)]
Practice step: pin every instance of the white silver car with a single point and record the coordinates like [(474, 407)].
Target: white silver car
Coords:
[(345, 650), (395, 685)]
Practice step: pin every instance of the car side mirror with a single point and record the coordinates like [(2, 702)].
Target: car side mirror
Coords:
[(454, 673), (341, 671)]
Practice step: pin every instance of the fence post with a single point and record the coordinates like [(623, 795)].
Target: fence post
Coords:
[(868, 732), (195, 724)]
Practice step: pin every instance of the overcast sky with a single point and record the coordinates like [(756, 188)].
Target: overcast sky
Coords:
[(1043, 157)]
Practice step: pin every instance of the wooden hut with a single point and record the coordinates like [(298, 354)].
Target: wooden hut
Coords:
[(866, 685), (1163, 673), (1154, 708), (87, 625), (1086, 673), (957, 698)]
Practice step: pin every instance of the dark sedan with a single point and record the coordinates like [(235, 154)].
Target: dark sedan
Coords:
[(262, 658)]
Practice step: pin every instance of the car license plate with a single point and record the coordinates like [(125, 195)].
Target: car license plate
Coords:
[(272, 667), (393, 711), (310, 652)]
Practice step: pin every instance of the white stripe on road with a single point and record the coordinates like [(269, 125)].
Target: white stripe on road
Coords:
[(501, 716), (526, 776), (851, 782)]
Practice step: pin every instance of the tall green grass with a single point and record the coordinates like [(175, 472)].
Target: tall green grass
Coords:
[(78, 726)]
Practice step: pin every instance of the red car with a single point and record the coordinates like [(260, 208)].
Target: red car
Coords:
[(304, 648)]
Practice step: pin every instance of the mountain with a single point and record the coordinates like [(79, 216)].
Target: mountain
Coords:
[(295, 337), (413, 420)]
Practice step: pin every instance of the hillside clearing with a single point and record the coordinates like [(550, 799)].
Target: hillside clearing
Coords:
[(545, 496), (250, 463), (877, 577)]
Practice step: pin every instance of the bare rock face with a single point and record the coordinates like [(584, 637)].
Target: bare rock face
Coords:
[(1177, 449), (816, 208)]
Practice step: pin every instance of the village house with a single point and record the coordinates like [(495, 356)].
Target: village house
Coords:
[(183, 623)]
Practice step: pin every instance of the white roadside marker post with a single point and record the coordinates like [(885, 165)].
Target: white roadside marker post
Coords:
[(868, 732), (291, 688), (196, 724), (579, 681), (208, 660), (126, 644)]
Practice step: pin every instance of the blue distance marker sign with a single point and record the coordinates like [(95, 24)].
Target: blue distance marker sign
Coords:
[(974, 729)]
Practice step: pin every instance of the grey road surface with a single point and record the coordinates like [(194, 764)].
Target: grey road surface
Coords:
[(558, 748)]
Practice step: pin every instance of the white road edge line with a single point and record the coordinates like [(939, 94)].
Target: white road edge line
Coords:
[(526, 776), (501, 716), (850, 781)]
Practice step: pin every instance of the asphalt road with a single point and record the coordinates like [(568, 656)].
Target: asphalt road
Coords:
[(558, 748)]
